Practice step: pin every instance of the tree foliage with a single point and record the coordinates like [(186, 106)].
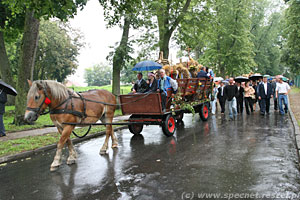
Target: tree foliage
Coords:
[(57, 51), (98, 75), (292, 34), (32, 11)]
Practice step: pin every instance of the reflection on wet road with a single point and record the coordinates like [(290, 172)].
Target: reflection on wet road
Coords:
[(252, 155)]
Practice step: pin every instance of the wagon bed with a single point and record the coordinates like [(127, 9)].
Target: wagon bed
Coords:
[(147, 108)]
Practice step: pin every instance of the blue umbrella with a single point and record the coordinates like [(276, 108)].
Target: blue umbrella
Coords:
[(146, 65)]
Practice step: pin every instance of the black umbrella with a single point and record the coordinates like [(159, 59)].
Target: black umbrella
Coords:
[(255, 77), (241, 79), (8, 89)]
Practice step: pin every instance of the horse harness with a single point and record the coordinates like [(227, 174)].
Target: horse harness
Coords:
[(65, 110)]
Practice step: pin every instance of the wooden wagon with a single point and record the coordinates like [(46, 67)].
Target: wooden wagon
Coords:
[(193, 95)]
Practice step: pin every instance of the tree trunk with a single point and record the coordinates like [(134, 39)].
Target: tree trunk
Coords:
[(164, 44), (5, 70), (26, 64), (165, 28), (118, 59)]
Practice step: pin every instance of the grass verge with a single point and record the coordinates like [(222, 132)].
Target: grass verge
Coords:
[(294, 99), (43, 120), (11, 147), (124, 89)]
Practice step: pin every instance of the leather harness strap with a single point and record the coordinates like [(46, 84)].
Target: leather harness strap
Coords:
[(83, 114)]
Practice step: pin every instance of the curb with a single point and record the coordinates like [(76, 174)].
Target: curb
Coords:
[(18, 156), (296, 128)]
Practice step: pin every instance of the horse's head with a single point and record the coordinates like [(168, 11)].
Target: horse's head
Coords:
[(37, 100)]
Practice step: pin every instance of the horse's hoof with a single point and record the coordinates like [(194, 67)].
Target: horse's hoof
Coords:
[(102, 152), (52, 169), (114, 146), (71, 161)]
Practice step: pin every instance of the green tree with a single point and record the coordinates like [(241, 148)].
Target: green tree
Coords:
[(292, 45), (98, 75), (57, 52), (125, 14), (34, 10), (222, 32), (169, 14), (9, 30)]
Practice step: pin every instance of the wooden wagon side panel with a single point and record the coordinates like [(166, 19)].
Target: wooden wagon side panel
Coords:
[(147, 104), (194, 89)]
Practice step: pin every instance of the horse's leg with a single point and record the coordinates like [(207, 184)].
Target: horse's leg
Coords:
[(63, 138), (105, 145), (72, 153), (109, 118)]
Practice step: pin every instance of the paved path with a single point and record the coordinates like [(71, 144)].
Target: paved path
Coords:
[(254, 155), (43, 131)]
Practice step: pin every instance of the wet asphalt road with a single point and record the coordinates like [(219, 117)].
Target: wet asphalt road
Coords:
[(251, 155)]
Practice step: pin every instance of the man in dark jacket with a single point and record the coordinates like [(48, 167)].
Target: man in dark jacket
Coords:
[(202, 73), (274, 85), (240, 98), (3, 100), (264, 93), (140, 85), (231, 93), (221, 96)]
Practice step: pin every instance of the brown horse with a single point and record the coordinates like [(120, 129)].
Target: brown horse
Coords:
[(67, 106)]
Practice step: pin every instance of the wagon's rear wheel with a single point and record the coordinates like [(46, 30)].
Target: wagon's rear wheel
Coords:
[(135, 128), (169, 125), (204, 112)]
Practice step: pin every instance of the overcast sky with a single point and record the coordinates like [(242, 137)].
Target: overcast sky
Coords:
[(90, 22)]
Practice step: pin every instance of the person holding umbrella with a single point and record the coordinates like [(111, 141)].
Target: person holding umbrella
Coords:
[(4, 90), (140, 85), (3, 100), (248, 96)]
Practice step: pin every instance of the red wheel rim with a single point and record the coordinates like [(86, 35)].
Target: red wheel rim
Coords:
[(205, 111), (171, 124)]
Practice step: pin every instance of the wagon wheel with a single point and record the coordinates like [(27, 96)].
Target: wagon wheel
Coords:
[(204, 112), (179, 117), (169, 125), (135, 128)]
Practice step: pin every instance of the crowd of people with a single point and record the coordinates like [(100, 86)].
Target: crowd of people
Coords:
[(236, 96), (239, 95), (159, 82)]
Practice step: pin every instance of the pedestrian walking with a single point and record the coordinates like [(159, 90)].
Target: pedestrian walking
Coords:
[(274, 86), (3, 100), (282, 91), (231, 93), (265, 93), (254, 100), (257, 88), (240, 98), (249, 96), (221, 97), (214, 101)]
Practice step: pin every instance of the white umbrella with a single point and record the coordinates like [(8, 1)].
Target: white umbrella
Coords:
[(218, 79)]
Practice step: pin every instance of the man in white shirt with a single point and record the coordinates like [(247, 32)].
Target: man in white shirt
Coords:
[(282, 91), (221, 96)]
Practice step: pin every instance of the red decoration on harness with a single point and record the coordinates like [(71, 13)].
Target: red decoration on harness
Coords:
[(47, 101)]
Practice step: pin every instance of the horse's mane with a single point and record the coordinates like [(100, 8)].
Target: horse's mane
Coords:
[(58, 90)]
